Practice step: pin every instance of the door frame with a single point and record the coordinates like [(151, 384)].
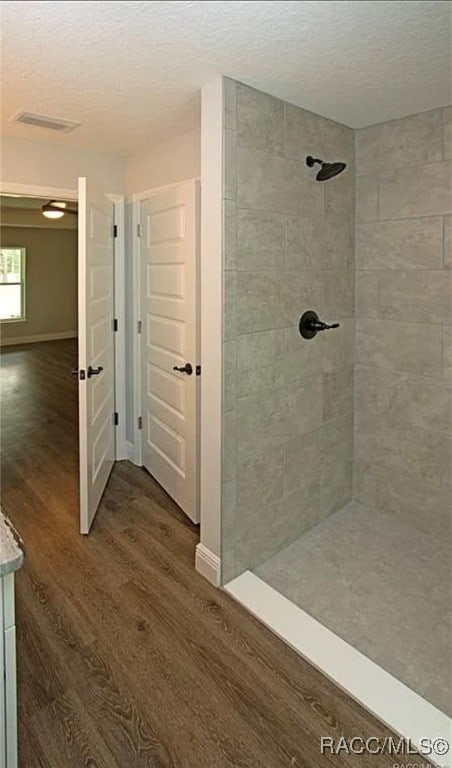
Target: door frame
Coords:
[(31, 190), (137, 198)]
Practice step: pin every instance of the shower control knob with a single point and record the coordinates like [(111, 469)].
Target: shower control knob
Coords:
[(321, 326), (310, 324)]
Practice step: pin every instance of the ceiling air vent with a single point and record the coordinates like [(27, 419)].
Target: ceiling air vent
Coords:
[(44, 121)]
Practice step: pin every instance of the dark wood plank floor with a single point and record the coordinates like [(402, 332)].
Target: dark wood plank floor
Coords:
[(126, 656)]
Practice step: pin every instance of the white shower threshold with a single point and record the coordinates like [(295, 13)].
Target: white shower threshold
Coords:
[(392, 702)]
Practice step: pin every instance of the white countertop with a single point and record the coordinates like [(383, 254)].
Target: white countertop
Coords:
[(11, 548)]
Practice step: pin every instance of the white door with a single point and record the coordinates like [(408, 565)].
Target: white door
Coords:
[(96, 347), (169, 260)]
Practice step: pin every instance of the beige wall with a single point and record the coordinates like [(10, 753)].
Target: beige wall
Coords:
[(211, 278), (40, 163), (164, 163), (51, 281), (403, 374), (287, 402)]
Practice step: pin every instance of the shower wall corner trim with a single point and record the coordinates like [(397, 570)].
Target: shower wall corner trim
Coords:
[(402, 710)]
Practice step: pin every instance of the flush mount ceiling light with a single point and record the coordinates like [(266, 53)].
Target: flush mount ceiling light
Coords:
[(55, 209)]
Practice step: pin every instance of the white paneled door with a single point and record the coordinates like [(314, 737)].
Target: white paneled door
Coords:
[(170, 380), (96, 348)]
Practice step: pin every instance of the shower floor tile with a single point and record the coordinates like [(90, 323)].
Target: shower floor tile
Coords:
[(380, 585)]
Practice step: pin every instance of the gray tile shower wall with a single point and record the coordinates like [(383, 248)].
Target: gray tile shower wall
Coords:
[(287, 402), (403, 371)]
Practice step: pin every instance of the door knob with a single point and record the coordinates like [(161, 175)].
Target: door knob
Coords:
[(94, 371), (310, 324), (187, 368)]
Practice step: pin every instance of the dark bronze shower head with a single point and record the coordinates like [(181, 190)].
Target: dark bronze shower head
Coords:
[(327, 170)]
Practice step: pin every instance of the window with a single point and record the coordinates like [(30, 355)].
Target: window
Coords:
[(12, 284)]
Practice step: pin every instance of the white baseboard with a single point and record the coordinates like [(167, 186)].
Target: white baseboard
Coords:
[(40, 337), (131, 453), (122, 450), (208, 565), (392, 702)]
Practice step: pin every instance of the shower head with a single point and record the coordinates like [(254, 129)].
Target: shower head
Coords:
[(328, 170)]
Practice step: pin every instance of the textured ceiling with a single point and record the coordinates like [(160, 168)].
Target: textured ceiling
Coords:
[(131, 71)]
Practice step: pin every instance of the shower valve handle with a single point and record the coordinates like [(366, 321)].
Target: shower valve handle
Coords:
[(321, 326), (310, 324)]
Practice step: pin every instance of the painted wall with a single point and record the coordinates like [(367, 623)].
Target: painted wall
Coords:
[(211, 323), (54, 165), (164, 163), (403, 386), (51, 281), (287, 402)]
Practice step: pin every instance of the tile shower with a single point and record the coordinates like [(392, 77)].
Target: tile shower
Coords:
[(337, 461)]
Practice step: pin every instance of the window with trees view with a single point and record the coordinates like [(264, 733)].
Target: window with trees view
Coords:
[(12, 284)]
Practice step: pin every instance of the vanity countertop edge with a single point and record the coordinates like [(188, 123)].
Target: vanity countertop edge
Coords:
[(11, 547)]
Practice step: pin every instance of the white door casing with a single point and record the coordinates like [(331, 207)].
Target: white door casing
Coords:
[(169, 274), (96, 347)]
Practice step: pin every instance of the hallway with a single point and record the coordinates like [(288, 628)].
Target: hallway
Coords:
[(128, 658)]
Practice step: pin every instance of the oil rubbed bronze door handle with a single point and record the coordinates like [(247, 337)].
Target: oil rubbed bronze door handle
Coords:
[(94, 371), (187, 368)]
